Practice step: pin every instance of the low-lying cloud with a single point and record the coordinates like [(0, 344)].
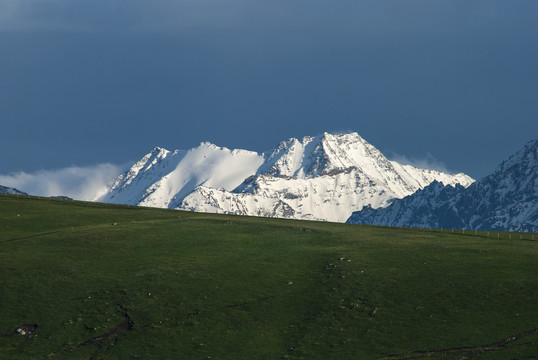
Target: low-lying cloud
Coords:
[(80, 183)]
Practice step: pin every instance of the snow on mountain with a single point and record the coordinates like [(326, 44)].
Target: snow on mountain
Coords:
[(163, 178), (325, 177), (319, 178), (10, 190), (331, 198), (507, 199)]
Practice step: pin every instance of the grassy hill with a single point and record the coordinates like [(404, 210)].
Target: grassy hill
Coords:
[(96, 281)]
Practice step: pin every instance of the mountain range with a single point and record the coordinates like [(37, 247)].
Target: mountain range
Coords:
[(325, 177), (506, 200), (10, 190)]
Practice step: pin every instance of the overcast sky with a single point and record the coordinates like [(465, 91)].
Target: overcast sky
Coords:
[(86, 82)]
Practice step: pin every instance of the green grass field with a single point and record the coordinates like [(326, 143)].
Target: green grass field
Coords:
[(96, 281)]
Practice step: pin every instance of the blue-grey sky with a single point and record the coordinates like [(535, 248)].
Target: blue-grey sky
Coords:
[(84, 82)]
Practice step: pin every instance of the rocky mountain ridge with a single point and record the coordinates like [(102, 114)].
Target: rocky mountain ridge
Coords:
[(505, 200), (324, 177)]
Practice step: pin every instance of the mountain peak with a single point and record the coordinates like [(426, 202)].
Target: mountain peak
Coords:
[(157, 150), (526, 157), (209, 145), (323, 177), (505, 200), (317, 155)]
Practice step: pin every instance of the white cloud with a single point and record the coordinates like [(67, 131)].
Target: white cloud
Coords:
[(427, 162), (81, 183)]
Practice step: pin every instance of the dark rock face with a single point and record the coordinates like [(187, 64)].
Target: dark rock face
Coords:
[(505, 200)]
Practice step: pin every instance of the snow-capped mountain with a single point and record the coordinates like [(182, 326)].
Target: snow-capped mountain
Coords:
[(163, 178), (326, 177), (507, 199), (12, 191), (319, 178)]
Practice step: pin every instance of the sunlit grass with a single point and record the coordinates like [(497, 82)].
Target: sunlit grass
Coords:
[(116, 282)]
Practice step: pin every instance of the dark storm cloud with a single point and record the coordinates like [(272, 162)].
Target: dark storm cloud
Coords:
[(102, 81), (375, 18)]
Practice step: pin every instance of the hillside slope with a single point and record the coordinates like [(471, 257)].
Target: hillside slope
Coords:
[(101, 281)]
